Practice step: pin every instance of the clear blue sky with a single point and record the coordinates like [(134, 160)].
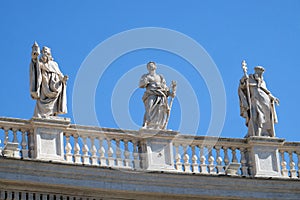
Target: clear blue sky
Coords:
[(262, 32)]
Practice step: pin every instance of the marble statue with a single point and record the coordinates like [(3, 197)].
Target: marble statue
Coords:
[(257, 103), (155, 98), (47, 84)]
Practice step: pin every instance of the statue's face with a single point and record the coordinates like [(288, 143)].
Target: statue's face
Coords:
[(46, 53), (151, 66), (259, 72)]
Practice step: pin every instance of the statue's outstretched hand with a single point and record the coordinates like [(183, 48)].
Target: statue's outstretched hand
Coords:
[(65, 78), (275, 99)]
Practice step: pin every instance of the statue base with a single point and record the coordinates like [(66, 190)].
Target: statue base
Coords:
[(263, 156), (47, 138), (11, 150), (157, 153)]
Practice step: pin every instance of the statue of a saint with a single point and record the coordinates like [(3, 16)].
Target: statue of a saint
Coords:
[(47, 84), (157, 109), (257, 103)]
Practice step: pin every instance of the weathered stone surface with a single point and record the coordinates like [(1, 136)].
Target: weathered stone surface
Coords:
[(47, 84), (65, 180), (11, 150), (157, 109), (48, 138), (257, 103), (263, 156), (157, 150)]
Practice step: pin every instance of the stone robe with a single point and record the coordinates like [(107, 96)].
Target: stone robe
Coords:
[(47, 88), (262, 107), (155, 101)]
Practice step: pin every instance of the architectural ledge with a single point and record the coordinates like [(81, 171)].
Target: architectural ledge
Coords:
[(66, 181)]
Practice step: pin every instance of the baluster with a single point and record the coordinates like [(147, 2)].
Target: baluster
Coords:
[(136, 160), (178, 158), (6, 136), (102, 152), (203, 166), (195, 165), (119, 160), (233, 152), (226, 159), (186, 158), (244, 162), (94, 152), (15, 137), (110, 152), (211, 160), (68, 148), (293, 171), (126, 154), (85, 151), (220, 168), (284, 171), (15, 140), (77, 156), (31, 144), (24, 144)]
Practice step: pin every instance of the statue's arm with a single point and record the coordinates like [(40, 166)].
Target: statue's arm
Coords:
[(273, 98), (143, 81), (62, 77)]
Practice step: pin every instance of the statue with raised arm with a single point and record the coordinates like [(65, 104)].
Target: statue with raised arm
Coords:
[(47, 84), (257, 103), (155, 98)]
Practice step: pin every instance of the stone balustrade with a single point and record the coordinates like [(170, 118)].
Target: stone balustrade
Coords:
[(60, 141), (101, 147), (290, 159), (210, 155)]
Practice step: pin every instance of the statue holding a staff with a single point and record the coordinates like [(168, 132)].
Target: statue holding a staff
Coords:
[(47, 84), (257, 103), (157, 108)]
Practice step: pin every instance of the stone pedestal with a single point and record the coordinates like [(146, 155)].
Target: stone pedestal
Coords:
[(47, 138), (263, 156), (11, 150), (157, 152)]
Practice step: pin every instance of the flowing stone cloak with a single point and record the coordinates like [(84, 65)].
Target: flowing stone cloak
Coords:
[(155, 101), (262, 107), (47, 87)]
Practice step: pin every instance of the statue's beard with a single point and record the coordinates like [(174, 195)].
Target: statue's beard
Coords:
[(46, 58)]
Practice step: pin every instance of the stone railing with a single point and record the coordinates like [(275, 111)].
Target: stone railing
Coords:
[(146, 150), (101, 147), (290, 159), (210, 155)]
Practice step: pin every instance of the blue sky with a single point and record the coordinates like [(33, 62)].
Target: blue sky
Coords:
[(262, 32)]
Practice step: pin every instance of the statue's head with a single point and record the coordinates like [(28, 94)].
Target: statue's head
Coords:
[(46, 53), (259, 69), (151, 66)]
